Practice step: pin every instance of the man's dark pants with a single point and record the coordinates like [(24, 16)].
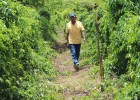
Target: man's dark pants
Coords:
[(75, 52)]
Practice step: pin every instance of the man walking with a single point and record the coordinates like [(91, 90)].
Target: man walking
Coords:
[(74, 32)]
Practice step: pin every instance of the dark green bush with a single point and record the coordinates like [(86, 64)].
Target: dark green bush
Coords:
[(23, 52)]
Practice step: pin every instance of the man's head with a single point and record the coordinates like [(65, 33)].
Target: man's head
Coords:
[(73, 17)]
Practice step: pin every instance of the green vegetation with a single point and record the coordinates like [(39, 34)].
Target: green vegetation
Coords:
[(24, 55), (28, 33)]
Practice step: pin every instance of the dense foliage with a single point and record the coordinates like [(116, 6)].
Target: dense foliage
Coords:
[(120, 31), (23, 52), (27, 30)]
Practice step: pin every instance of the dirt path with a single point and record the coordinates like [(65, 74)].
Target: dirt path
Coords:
[(73, 85)]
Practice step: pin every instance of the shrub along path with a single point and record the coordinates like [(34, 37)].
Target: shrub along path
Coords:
[(71, 84)]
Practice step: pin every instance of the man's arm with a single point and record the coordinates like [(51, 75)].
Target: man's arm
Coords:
[(82, 33), (67, 35), (83, 36)]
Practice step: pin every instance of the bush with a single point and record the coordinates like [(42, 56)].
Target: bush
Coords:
[(22, 51)]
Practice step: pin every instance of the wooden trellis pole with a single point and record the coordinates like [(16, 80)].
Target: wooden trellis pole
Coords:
[(98, 43)]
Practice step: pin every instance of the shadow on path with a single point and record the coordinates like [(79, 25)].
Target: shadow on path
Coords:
[(60, 47)]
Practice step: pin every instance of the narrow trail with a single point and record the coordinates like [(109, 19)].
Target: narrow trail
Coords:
[(72, 85)]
